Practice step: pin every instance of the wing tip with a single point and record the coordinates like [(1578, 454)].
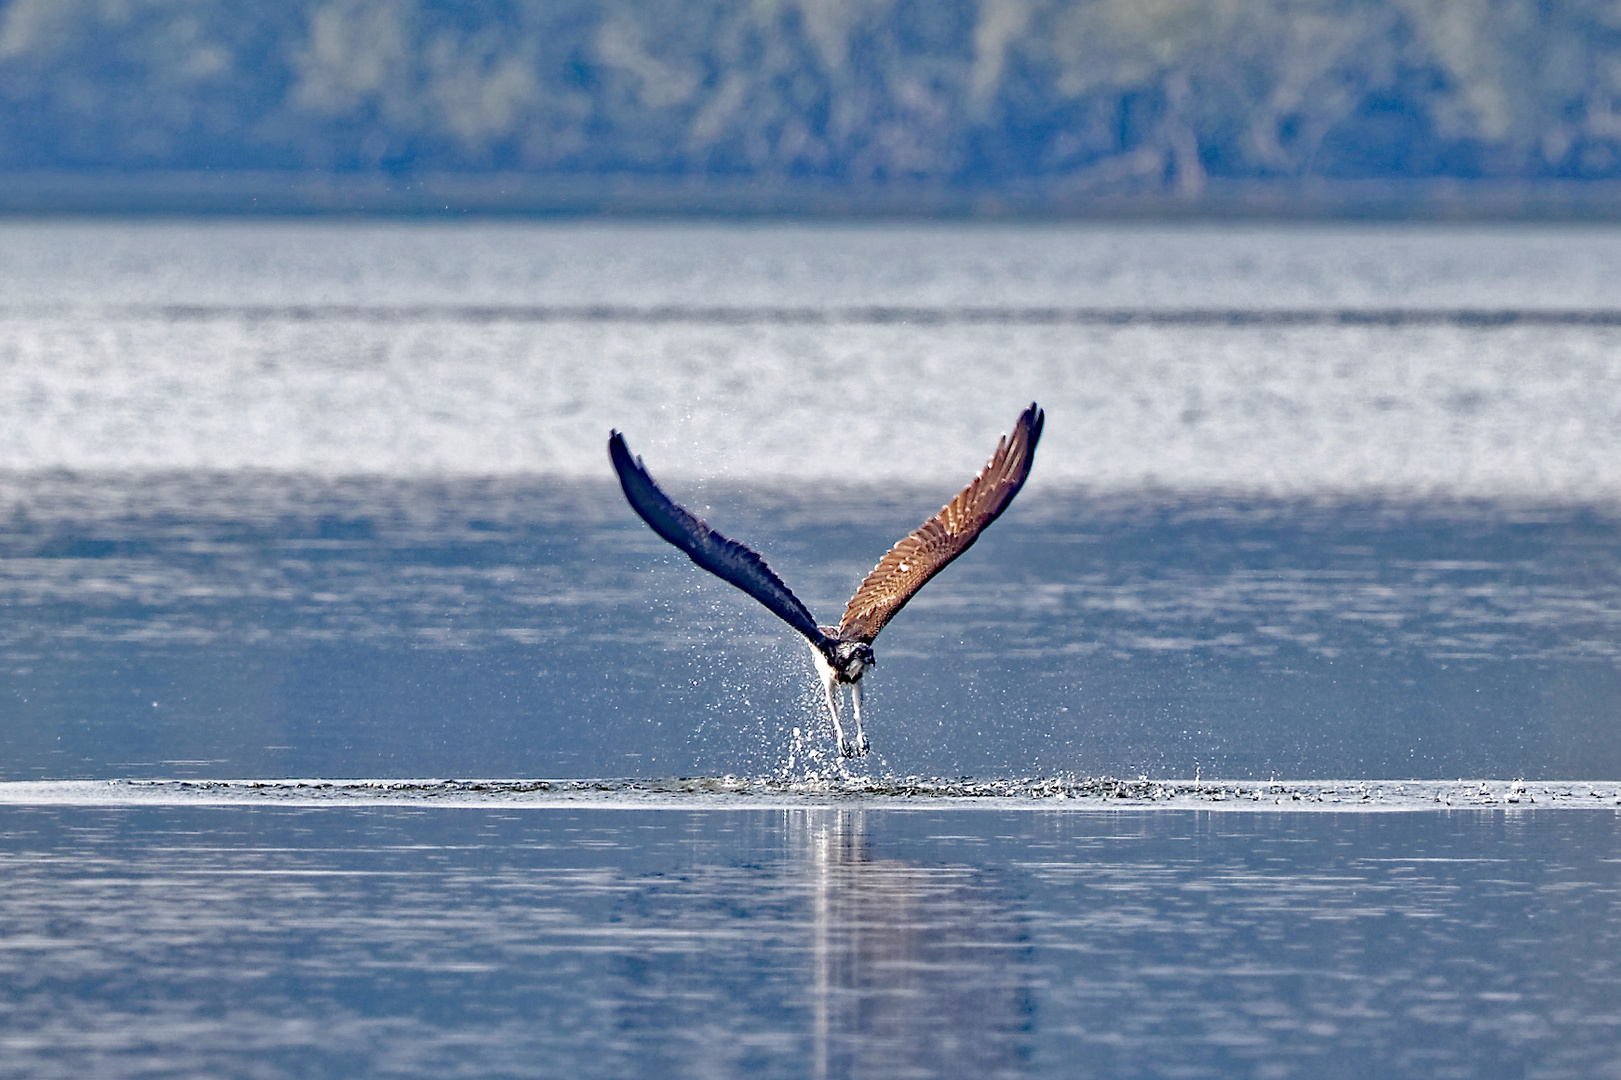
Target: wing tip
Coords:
[(1033, 419), (619, 453)]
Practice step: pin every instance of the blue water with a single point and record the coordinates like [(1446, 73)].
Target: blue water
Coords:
[(1326, 526), (181, 941), (225, 626)]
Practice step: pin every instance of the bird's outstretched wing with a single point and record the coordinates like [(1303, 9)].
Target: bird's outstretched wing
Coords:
[(726, 559), (946, 535)]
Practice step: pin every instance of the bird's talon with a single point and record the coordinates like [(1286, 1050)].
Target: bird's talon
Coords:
[(846, 750)]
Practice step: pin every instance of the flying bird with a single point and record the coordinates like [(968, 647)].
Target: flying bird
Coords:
[(843, 653)]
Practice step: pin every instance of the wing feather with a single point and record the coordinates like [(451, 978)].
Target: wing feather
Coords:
[(949, 533), (726, 559)]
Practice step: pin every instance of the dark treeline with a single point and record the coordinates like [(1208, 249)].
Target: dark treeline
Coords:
[(1056, 99)]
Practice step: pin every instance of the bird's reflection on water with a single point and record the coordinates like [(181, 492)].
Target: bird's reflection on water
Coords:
[(915, 969), (454, 941)]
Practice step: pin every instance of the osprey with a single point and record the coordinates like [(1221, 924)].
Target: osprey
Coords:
[(843, 653)]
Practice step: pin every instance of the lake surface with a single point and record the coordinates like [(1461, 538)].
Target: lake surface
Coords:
[(409, 941), (220, 625), (1326, 523)]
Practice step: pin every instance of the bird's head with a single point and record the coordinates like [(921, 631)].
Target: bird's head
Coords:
[(851, 658)]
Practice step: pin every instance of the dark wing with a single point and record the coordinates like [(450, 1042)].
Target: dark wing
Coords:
[(946, 535), (726, 559)]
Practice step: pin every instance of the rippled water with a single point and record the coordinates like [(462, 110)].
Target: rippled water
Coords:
[(1326, 528), (590, 942), (209, 625), (1285, 361)]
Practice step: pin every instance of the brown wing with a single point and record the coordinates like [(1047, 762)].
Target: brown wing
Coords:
[(946, 535)]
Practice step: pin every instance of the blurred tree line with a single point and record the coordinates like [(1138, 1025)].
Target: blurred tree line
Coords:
[(1077, 96)]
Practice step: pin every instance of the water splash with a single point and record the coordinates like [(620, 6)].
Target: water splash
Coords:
[(839, 788)]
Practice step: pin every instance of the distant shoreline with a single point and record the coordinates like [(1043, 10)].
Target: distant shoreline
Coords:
[(458, 195)]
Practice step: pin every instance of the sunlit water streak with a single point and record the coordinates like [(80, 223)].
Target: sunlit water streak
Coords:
[(1284, 361)]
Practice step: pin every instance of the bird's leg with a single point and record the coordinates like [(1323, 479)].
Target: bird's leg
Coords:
[(861, 735), (831, 686)]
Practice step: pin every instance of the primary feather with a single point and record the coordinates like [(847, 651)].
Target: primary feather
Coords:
[(727, 559), (844, 653), (946, 535)]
